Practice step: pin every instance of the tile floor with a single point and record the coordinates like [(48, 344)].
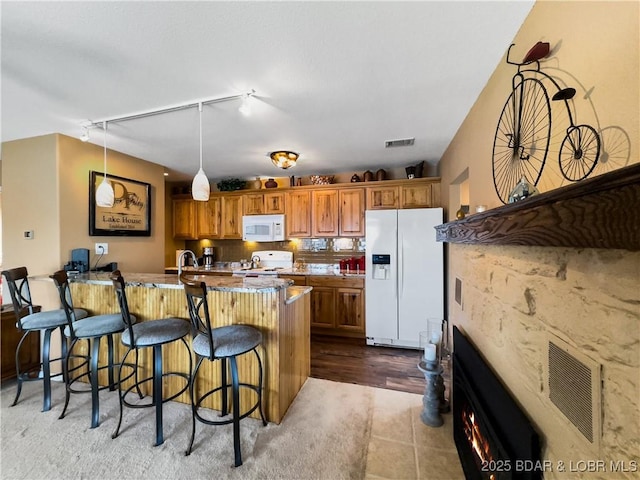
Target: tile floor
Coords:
[(402, 447)]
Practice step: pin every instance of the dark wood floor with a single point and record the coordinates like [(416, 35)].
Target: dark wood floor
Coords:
[(352, 361)]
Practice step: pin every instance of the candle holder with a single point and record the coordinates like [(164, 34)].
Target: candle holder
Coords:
[(430, 414), (431, 346)]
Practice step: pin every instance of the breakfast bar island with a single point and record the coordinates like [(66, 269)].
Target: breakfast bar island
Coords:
[(277, 308)]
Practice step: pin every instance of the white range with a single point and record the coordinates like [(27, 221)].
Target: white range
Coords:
[(270, 262)]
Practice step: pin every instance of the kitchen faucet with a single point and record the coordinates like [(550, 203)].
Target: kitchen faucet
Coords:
[(181, 257)]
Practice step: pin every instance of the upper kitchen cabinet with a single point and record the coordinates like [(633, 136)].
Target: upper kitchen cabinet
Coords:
[(264, 203), (416, 193), (208, 218), (324, 213), (381, 197), (420, 195), (231, 218), (298, 214), (184, 213), (352, 206)]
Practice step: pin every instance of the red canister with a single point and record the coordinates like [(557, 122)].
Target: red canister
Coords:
[(361, 263), (353, 262)]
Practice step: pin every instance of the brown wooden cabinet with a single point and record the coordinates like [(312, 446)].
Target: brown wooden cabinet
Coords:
[(231, 217), (352, 206), (274, 203), (298, 212), (10, 336), (263, 203), (417, 196), (324, 213), (382, 197), (208, 218), (184, 212), (337, 305)]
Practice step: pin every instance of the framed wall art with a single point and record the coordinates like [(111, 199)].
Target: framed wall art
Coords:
[(131, 213)]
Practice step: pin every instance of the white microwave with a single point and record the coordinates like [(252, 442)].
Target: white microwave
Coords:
[(263, 228)]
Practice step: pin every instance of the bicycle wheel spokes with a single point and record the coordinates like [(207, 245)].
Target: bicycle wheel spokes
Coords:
[(521, 141), (579, 152)]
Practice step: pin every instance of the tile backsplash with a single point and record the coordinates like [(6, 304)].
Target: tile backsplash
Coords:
[(309, 250)]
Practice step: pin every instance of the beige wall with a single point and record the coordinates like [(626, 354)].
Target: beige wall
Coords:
[(45, 189), (594, 48), (513, 298), (133, 254)]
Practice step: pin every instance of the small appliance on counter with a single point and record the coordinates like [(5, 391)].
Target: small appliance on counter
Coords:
[(268, 262), (79, 261), (208, 257)]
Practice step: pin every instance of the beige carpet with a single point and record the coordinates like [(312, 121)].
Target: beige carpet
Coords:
[(325, 435)]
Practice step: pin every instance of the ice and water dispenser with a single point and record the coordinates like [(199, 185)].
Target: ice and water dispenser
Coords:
[(381, 266)]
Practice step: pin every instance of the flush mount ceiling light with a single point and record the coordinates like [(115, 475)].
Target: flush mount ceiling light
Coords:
[(200, 187), (284, 159), (105, 197)]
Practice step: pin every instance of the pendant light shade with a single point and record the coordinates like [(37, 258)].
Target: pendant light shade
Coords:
[(200, 187), (105, 197)]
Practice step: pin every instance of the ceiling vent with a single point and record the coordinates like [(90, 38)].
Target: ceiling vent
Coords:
[(405, 142)]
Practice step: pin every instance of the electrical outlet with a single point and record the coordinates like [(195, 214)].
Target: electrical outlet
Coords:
[(102, 248)]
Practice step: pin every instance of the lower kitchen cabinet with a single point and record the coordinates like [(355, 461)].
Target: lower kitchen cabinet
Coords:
[(337, 306)]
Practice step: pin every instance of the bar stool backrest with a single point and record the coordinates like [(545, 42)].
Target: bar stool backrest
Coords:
[(198, 310), (119, 285), (20, 293), (61, 281)]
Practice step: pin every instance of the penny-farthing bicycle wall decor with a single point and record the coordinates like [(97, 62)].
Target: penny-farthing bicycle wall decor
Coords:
[(521, 142)]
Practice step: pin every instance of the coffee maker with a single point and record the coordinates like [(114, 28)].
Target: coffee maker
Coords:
[(208, 257)]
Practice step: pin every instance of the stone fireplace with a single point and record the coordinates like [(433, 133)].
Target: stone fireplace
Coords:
[(549, 288)]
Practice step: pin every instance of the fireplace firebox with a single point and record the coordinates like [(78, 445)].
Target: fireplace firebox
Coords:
[(494, 438)]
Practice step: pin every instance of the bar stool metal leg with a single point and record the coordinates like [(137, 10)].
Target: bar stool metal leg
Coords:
[(157, 391)]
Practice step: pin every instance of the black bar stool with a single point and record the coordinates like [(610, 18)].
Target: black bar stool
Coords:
[(222, 343), (29, 320), (154, 334), (92, 329)]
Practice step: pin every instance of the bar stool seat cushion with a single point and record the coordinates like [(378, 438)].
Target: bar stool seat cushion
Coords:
[(156, 332), (97, 326), (49, 319), (228, 341)]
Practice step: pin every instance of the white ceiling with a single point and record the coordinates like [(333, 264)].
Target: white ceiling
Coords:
[(333, 80)]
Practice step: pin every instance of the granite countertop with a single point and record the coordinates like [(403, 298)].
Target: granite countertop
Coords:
[(158, 280), (310, 269)]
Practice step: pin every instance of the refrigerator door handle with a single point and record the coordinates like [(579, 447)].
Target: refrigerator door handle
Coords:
[(400, 286)]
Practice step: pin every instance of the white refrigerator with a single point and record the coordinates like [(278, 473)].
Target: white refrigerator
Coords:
[(404, 281)]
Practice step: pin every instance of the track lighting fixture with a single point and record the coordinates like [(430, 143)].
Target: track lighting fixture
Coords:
[(200, 187), (105, 196), (284, 159)]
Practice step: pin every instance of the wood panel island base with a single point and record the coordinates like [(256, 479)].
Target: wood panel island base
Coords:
[(278, 309)]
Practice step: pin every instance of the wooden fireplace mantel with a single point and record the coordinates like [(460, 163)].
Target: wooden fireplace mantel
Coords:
[(601, 212)]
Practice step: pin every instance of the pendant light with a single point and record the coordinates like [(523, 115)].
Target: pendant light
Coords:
[(104, 194), (200, 188)]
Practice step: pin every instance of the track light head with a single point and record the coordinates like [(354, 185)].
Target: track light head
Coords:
[(85, 134)]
